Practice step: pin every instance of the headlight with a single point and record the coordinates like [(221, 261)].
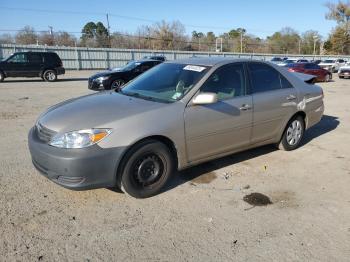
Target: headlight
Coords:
[(102, 78), (79, 139)]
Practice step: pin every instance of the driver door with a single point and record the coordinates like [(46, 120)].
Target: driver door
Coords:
[(17, 65), (223, 126)]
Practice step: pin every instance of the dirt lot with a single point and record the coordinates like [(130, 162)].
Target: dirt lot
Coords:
[(202, 216)]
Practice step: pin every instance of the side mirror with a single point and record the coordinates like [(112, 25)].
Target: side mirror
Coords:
[(205, 99)]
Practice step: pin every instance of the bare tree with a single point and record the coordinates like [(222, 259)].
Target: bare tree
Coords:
[(26, 36)]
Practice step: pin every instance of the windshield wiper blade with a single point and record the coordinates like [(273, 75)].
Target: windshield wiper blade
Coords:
[(135, 94)]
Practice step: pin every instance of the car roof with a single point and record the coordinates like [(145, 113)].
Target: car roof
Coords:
[(209, 61)]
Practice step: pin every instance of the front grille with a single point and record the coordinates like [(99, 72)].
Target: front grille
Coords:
[(44, 134)]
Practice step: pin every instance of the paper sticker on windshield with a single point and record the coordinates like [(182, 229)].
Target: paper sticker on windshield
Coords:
[(194, 68)]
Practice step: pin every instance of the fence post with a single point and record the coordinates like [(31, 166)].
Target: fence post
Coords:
[(78, 60), (108, 66), (174, 56)]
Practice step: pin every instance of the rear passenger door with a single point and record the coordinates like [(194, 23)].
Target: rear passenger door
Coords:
[(274, 100), (35, 64)]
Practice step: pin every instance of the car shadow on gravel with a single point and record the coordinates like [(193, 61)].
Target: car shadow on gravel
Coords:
[(42, 81), (326, 125), (206, 170)]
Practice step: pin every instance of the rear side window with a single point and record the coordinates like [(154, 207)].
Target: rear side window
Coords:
[(265, 78), (35, 58)]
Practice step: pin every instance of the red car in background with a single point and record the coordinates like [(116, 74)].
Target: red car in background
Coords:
[(322, 75)]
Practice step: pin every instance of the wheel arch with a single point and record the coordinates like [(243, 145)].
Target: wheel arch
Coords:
[(159, 138), (298, 113)]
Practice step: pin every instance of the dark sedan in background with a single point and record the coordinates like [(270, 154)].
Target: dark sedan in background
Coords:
[(118, 77), (322, 75)]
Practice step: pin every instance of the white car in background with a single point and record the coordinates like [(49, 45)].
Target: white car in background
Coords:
[(332, 65), (344, 71)]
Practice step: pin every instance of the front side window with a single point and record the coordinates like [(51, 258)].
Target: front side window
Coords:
[(166, 82), (227, 82), (265, 78), (18, 58)]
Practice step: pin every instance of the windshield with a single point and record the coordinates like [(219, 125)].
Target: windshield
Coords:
[(329, 61), (130, 66), (166, 82)]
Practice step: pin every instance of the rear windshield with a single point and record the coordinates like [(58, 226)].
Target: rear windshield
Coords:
[(329, 61)]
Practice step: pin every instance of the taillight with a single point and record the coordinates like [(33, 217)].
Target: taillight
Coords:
[(291, 70)]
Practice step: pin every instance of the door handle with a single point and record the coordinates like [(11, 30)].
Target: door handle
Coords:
[(291, 97), (245, 107)]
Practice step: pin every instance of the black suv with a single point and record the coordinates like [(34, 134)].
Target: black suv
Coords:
[(118, 77), (46, 65)]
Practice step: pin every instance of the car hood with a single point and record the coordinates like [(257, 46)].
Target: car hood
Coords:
[(345, 67), (101, 110)]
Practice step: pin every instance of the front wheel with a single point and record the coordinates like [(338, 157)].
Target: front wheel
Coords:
[(146, 169), (117, 83), (293, 134), (50, 76)]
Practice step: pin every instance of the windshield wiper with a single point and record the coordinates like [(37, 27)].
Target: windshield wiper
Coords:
[(135, 94)]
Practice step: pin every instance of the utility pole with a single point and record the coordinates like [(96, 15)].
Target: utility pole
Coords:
[(299, 47), (109, 32), (315, 37)]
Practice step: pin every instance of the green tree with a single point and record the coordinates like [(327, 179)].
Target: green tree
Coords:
[(340, 37), (285, 41), (95, 35)]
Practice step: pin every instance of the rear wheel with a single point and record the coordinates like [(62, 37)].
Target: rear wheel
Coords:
[(328, 77), (2, 76), (293, 134), (50, 76), (146, 169)]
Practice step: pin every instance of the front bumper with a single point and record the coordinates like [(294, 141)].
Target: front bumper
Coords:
[(77, 169), (344, 74), (95, 85)]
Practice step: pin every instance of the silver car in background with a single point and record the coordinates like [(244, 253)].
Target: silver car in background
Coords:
[(176, 115)]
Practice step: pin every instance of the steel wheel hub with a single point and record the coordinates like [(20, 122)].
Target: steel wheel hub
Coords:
[(148, 169)]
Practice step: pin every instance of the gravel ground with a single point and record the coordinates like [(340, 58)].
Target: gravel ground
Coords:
[(299, 201)]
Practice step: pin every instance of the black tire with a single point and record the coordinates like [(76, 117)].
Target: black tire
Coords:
[(117, 83), (146, 168), (328, 78), (341, 77), (2, 76), (50, 75), (292, 135)]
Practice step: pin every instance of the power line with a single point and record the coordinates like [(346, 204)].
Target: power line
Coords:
[(125, 17)]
